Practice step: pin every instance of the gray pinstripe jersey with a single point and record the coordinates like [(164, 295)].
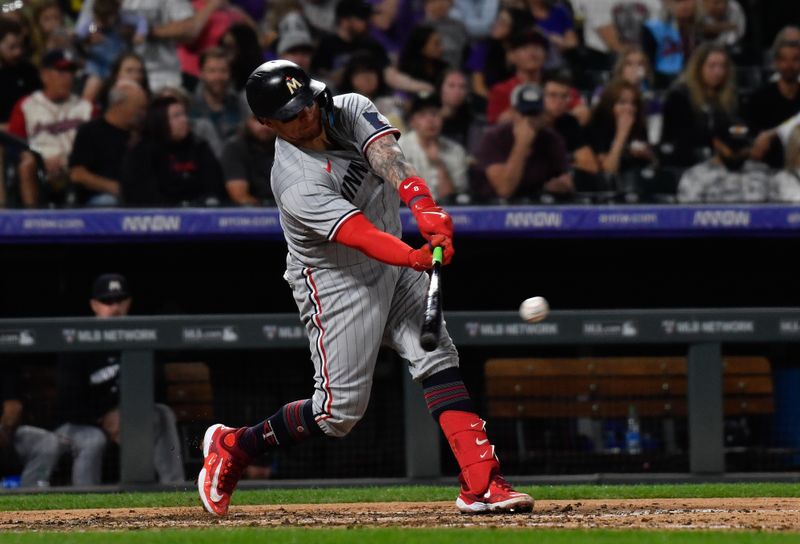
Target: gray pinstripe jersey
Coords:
[(316, 191)]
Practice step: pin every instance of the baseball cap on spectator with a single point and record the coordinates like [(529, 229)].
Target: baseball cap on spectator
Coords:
[(293, 33), (110, 288), (527, 99), (424, 101), (59, 59), (734, 134), (528, 37), (353, 8)]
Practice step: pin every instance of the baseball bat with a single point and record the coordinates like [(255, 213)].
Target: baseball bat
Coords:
[(432, 324)]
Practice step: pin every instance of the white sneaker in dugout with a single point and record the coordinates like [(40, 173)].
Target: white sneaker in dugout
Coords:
[(500, 498)]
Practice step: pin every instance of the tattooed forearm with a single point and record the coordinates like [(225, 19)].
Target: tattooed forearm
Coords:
[(388, 161)]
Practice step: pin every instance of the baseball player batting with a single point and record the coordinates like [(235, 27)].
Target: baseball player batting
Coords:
[(338, 179)]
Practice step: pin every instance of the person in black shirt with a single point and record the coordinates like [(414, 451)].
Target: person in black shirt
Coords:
[(88, 385), (247, 161), (18, 77), (170, 166), (618, 134), (422, 54), (774, 103), (556, 105), (96, 159)]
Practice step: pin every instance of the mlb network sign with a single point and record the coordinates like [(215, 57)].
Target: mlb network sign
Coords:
[(151, 223)]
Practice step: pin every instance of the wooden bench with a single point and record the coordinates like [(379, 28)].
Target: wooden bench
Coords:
[(601, 388), (190, 395)]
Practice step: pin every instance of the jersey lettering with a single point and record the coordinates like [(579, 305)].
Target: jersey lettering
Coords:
[(353, 180)]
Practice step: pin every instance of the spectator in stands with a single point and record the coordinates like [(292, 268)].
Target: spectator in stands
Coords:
[(477, 15), (352, 35), (169, 23), (729, 176), (670, 40), (247, 163), (50, 30), (240, 42), (363, 75), (88, 387), (392, 21), (633, 66), (322, 15), (527, 52), (703, 98), (109, 34), (439, 160), (522, 159), (18, 76), (96, 159), (128, 66), (488, 59), (213, 98), (421, 57), (555, 22), (219, 21), (556, 91), (452, 32), (170, 166), (609, 26), (294, 41), (37, 449), (618, 134), (786, 184), (723, 22), (774, 103), (458, 118), (49, 120), (200, 127)]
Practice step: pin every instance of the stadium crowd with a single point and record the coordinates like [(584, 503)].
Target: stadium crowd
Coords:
[(140, 102)]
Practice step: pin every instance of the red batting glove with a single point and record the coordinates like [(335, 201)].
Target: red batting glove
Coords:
[(422, 258), (431, 218)]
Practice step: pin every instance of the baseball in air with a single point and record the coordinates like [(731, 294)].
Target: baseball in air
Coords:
[(534, 309)]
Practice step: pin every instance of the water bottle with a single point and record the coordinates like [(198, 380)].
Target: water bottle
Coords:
[(633, 437)]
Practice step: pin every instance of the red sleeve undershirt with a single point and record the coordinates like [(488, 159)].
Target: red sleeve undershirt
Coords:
[(357, 232)]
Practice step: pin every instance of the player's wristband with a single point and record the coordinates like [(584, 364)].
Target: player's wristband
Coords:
[(414, 188)]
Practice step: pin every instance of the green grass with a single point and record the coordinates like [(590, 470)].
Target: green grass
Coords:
[(51, 501), (395, 536)]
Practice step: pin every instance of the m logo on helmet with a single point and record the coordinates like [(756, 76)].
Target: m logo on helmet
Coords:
[(292, 84)]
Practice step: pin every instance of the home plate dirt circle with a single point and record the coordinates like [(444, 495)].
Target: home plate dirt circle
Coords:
[(760, 514)]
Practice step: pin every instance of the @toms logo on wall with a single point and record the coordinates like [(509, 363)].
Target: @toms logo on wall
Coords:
[(625, 329), (19, 337), (224, 334)]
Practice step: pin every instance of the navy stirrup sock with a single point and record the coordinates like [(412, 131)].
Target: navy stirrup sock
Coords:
[(446, 391), (293, 423)]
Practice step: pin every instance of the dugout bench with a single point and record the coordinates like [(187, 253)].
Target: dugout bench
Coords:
[(599, 389)]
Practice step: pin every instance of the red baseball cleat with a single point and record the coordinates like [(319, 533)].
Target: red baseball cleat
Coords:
[(222, 468), (499, 498)]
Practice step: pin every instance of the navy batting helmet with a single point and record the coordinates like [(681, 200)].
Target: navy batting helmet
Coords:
[(280, 89)]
